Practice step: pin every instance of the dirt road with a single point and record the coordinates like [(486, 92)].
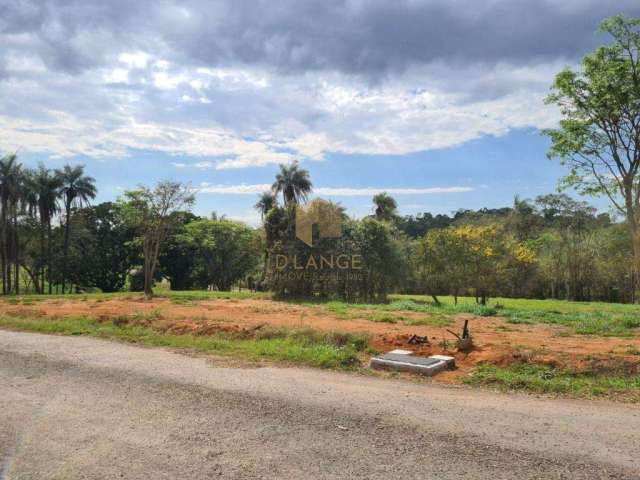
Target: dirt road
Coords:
[(75, 408)]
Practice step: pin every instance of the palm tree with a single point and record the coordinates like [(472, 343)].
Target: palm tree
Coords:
[(293, 182), (22, 196), (385, 206), (9, 173), (266, 201), (76, 191), (46, 186)]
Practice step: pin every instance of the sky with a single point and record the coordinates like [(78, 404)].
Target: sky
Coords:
[(438, 102)]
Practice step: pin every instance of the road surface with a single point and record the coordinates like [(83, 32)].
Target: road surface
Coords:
[(82, 408)]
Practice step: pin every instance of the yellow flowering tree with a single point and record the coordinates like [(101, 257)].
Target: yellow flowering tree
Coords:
[(474, 258)]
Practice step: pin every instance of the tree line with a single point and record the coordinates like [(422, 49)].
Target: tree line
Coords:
[(53, 240), (29, 201)]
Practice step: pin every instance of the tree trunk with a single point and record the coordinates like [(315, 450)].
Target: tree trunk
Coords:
[(3, 260), (65, 249), (15, 250), (34, 279), (5, 249), (40, 281), (635, 236), (148, 289), (48, 257), (148, 268)]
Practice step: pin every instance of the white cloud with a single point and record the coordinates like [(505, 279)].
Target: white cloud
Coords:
[(251, 218), (134, 59), (244, 189), (64, 135), (370, 191), (247, 117)]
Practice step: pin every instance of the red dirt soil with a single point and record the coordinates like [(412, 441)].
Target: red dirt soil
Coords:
[(496, 341)]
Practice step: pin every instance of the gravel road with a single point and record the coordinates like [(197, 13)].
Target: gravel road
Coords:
[(81, 408)]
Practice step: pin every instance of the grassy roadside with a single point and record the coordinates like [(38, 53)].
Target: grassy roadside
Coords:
[(336, 350), (617, 385), (303, 347)]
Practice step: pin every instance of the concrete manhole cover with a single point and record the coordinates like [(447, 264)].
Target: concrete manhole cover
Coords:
[(412, 363)]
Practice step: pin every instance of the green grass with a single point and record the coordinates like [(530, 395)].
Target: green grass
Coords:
[(305, 347), (384, 317), (583, 318), (524, 304), (548, 380), (387, 313)]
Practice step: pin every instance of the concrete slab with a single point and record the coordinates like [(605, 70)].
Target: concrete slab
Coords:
[(408, 363), (450, 361)]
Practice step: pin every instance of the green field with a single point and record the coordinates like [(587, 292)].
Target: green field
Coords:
[(584, 318)]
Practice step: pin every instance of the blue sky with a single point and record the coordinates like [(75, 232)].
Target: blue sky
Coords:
[(489, 172), (438, 102)]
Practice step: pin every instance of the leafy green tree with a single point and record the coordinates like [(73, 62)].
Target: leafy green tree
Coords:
[(77, 190), (613, 264), (151, 210), (381, 257), (524, 222), (385, 207), (100, 254), (417, 226), (573, 222), (443, 261), (294, 184), (599, 135), (471, 257), (178, 256), (225, 252)]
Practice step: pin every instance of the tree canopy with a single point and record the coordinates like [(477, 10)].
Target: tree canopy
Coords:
[(599, 134)]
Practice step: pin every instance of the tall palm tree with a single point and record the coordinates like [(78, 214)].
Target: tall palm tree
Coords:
[(46, 186), (76, 191), (385, 206), (21, 197), (293, 182), (266, 201), (9, 174)]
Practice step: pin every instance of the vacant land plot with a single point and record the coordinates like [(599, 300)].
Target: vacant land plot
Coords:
[(546, 346)]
